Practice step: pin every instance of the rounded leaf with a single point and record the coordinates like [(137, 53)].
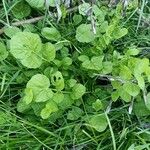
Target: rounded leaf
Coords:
[(84, 33), (48, 52), (38, 81), (51, 33), (58, 97), (99, 122), (58, 80), (49, 108), (26, 47), (44, 95), (84, 8), (36, 4), (131, 88), (77, 91), (28, 96), (21, 10), (11, 31)]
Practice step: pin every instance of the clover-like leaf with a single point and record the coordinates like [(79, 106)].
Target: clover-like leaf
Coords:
[(48, 52), (11, 31), (132, 51), (26, 47), (77, 91), (107, 67), (125, 73), (28, 96), (97, 105), (141, 82), (36, 4), (21, 10), (38, 81), (51, 33), (49, 108), (94, 64), (75, 113), (58, 80), (44, 95), (84, 33), (115, 95), (58, 97), (119, 32), (116, 84), (98, 122), (3, 52), (141, 66), (124, 94), (22, 106), (131, 88), (84, 8)]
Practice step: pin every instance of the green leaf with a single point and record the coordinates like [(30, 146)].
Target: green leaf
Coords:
[(103, 27), (131, 88), (98, 122), (97, 105), (83, 58), (84, 8), (51, 34), (48, 52), (132, 51), (67, 102), (115, 95), (99, 14), (125, 73), (107, 67), (141, 66), (49, 108), (84, 33), (94, 64), (37, 107), (124, 95), (75, 113), (58, 97), (22, 106), (148, 101), (21, 10), (40, 86), (38, 81), (141, 82), (140, 109), (77, 91), (36, 4), (58, 80), (11, 31), (116, 84), (44, 95), (28, 96), (77, 19), (71, 82), (120, 32), (52, 3), (3, 52), (67, 61), (26, 47)]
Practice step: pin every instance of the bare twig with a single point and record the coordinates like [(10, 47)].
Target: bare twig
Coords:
[(19, 23)]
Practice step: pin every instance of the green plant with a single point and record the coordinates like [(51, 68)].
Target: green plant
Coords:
[(80, 72)]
